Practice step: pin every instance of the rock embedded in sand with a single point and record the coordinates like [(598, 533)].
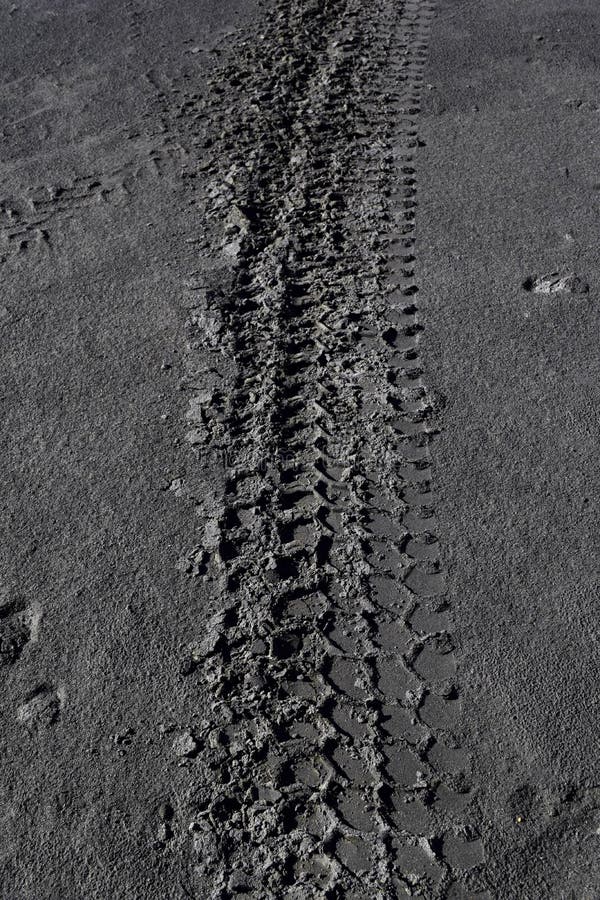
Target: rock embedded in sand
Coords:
[(556, 283), (185, 745)]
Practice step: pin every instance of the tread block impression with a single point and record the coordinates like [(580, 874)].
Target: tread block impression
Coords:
[(329, 765)]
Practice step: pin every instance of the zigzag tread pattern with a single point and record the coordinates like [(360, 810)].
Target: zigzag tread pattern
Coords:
[(329, 766)]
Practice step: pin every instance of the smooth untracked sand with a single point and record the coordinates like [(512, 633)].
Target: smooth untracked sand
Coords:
[(509, 182)]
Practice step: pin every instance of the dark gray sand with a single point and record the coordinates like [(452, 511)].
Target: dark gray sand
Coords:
[(508, 191), (299, 340)]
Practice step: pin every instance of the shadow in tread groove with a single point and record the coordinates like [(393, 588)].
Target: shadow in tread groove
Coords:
[(329, 766)]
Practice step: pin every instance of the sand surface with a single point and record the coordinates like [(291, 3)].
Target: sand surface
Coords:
[(299, 342)]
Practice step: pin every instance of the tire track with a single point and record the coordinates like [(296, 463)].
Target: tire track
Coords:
[(329, 766)]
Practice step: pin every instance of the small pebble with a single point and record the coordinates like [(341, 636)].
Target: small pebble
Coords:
[(165, 812), (185, 745)]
